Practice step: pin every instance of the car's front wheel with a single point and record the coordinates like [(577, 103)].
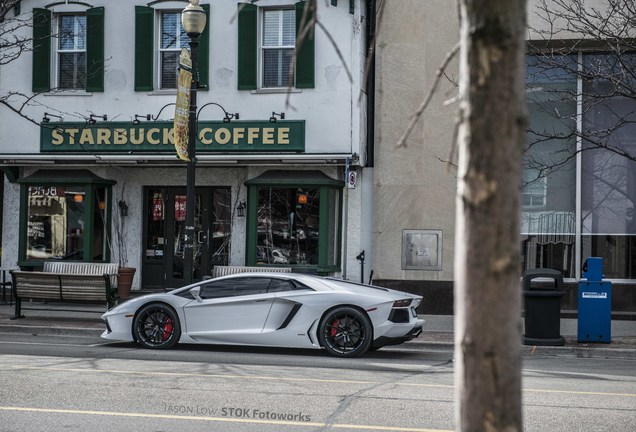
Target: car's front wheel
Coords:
[(345, 332), (157, 326)]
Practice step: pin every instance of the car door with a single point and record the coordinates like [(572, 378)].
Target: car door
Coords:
[(232, 310)]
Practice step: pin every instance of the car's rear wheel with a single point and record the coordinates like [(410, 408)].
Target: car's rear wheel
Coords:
[(345, 332), (157, 326)]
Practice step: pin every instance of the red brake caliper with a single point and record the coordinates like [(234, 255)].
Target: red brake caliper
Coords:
[(334, 328), (167, 329)]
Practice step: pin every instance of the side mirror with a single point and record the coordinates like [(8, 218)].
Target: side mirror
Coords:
[(196, 293)]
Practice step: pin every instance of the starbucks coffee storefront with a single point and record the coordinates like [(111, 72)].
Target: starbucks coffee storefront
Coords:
[(115, 192)]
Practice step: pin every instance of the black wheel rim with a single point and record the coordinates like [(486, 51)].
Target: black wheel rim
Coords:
[(344, 333), (155, 327)]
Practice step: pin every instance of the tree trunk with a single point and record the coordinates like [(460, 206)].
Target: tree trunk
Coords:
[(487, 261)]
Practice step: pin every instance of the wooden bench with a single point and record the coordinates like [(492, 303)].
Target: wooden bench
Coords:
[(218, 271), (66, 281)]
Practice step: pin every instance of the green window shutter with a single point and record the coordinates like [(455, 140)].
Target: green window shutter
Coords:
[(41, 50), (144, 28), (305, 53), (203, 64), (95, 49), (247, 46)]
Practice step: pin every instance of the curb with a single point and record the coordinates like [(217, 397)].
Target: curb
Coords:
[(570, 349), (35, 330)]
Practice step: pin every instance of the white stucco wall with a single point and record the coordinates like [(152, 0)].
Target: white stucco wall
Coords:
[(333, 112)]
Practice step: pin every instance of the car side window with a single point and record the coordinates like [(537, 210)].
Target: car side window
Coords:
[(217, 289), (300, 286), (279, 285), (251, 285), (234, 287)]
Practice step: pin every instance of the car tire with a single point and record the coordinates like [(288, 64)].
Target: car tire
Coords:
[(156, 326), (345, 332)]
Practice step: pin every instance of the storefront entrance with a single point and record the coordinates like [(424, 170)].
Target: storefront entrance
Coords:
[(164, 226)]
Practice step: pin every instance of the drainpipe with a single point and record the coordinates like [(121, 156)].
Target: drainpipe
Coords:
[(370, 88)]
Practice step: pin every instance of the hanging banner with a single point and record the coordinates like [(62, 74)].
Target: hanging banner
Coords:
[(182, 110)]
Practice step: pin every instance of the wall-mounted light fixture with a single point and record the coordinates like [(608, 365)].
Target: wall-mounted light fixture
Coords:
[(138, 116), (273, 119), (240, 209), (46, 118), (93, 118), (78, 198), (161, 110), (123, 208), (228, 116)]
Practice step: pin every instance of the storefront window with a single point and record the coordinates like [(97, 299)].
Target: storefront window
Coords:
[(585, 99), (294, 220), (65, 217), (287, 226), (548, 194), (608, 189), (55, 222), (64, 221)]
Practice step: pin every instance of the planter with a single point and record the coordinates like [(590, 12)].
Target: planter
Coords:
[(124, 285)]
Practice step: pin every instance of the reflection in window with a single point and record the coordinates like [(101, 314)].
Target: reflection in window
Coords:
[(71, 51), (55, 223), (287, 226), (548, 194), (278, 42), (606, 127), (608, 186), (221, 226), (173, 38), (156, 225)]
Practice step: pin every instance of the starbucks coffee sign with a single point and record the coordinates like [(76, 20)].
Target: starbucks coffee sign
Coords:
[(158, 137)]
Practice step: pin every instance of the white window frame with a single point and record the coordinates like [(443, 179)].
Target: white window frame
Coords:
[(262, 48), (537, 192), (56, 51), (159, 50)]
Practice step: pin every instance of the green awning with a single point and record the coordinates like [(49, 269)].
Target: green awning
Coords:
[(294, 178), (66, 176)]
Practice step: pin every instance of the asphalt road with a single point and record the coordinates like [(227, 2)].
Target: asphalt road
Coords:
[(55, 383)]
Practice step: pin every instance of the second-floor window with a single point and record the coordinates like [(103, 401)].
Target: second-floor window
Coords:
[(267, 45), (68, 49), (159, 38), (71, 52), (278, 40), (172, 39)]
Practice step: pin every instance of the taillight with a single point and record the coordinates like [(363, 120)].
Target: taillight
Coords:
[(402, 303)]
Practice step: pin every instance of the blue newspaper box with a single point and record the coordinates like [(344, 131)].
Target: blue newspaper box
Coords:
[(595, 304)]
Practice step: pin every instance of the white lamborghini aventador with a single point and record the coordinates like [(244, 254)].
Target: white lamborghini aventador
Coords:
[(270, 309)]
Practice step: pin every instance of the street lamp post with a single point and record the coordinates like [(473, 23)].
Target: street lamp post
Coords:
[(193, 20)]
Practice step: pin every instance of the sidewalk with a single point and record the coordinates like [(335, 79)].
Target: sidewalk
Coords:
[(438, 330), (438, 334)]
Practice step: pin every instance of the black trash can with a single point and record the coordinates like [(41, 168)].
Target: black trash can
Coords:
[(542, 306)]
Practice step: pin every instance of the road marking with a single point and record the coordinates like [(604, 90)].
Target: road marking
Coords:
[(580, 393), (220, 419), (42, 343), (319, 380)]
